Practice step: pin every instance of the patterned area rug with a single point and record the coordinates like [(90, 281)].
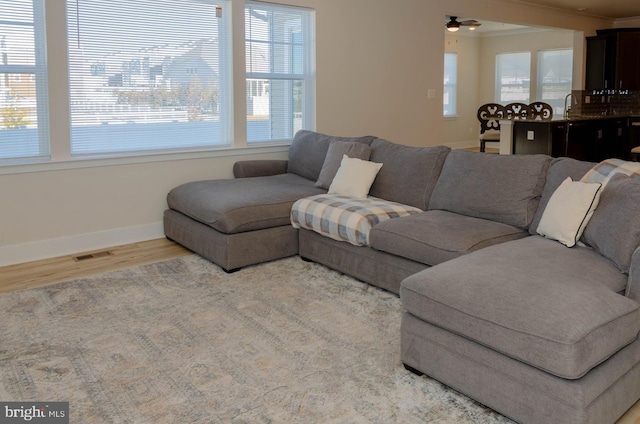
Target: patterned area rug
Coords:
[(180, 341)]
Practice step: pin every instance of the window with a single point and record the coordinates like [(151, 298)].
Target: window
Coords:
[(450, 83), (148, 75), (23, 82), (279, 71), (513, 77), (555, 77)]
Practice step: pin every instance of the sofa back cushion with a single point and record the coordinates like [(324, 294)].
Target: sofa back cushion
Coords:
[(333, 159), (309, 149), (614, 228), (408, 174), (633, 283), (502, 188), (559, 170)]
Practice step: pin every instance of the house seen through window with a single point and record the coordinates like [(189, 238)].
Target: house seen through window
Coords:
[(148, 75)]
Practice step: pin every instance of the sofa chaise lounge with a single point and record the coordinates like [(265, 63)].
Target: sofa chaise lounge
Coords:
[(536, 330)]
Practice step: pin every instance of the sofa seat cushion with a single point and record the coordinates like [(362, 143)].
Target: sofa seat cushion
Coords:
[(532, 299), (245, 204), (345, 218), (437, 236)]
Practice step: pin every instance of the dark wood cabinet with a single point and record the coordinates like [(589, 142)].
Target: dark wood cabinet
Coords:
[(613, 60), (600, 68), (536, 137), (591, 140), (628, 61), (581, 141), (595, 140), (613, 143)]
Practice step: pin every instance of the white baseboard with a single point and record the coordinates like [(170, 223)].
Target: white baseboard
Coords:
[(51, 248)]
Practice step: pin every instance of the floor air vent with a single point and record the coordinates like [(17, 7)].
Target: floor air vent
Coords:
[(95, 255)]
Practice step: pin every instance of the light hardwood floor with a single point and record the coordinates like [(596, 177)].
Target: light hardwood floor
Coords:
[(64, 268)]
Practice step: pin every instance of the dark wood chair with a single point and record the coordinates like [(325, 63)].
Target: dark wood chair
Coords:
[(489, 116)]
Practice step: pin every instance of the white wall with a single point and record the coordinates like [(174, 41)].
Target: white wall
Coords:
[(376, 59), (462, 130)]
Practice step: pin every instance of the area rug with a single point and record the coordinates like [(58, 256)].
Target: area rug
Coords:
[(181, 341)]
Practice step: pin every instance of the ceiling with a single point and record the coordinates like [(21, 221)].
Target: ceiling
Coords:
[(614, 9), (496, 28)]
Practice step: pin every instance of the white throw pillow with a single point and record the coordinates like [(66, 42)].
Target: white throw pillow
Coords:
[(569, 210), (354, 177)]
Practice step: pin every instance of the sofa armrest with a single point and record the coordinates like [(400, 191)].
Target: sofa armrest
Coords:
[(259, 168), (633, 285)]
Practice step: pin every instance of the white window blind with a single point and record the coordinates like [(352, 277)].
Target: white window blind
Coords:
[(280, 71), (23, 82), (450, 84), (149, 75), (555, 75), (513, 77)]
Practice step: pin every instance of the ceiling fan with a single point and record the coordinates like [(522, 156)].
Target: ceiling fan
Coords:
[(454, 25)]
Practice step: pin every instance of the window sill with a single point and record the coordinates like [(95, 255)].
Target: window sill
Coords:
[(52, 165)]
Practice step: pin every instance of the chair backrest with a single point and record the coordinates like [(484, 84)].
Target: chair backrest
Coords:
[(540, 111), (516, 111), (489, 116)]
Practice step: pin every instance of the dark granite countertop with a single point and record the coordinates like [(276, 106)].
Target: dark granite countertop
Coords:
[(574, 118)]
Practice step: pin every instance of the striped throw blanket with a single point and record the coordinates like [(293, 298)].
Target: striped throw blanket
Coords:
[(602, 172), (345, 218)]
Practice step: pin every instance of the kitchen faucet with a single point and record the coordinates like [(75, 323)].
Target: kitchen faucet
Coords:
[(567, 109)]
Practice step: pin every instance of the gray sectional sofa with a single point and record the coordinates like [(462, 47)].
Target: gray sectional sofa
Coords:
[(538, 331)]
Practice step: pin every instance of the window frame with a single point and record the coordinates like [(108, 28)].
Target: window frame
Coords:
[(307, 76), (498, 77), (39, 76), (59, 115), (557, 104), (154, 93)]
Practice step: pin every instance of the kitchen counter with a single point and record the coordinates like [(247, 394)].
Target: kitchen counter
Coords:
[(591, 118)]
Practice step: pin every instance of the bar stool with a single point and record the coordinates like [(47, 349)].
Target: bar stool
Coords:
[(635, 154)]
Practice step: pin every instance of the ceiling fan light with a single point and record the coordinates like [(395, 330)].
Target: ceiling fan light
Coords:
[(453, 25)]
